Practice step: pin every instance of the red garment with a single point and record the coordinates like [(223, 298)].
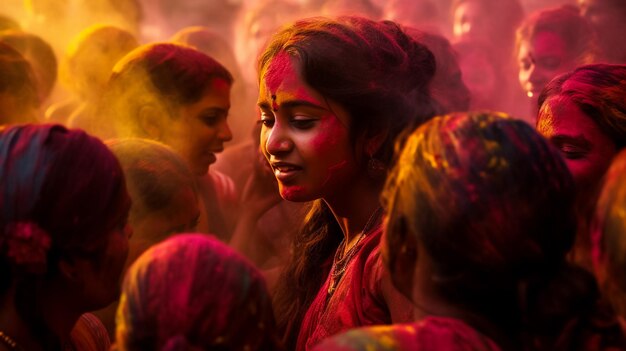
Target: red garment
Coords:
[(357, 301), (431, 333), (88, 335)]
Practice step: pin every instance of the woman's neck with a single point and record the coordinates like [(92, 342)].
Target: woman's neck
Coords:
[(354, 208), (58, 323)]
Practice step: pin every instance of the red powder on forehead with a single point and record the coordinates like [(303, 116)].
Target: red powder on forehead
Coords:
[(220, 84), (278, 68)]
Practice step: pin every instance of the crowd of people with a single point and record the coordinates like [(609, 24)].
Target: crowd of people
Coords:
[(313, 175)]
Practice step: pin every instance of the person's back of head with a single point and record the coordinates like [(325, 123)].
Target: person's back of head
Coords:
[(40, 55), (91, 56), (193, 292), (496, 220), (162, 188), (491, 204), (19, 98), (63, 210)]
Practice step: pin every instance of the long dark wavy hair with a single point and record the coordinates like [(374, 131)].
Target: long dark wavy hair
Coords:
[(380, 75)]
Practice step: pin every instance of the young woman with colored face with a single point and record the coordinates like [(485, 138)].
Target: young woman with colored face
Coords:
[(181, 97), (334, 94), (551, 42), (479, 223), (63, 237), (583, 114)]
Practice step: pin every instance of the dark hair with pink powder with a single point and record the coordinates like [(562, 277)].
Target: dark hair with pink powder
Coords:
[(599, 93), (58, 186), (491, 203), (194, 292)]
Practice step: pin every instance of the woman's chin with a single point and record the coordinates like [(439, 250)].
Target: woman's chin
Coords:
[(295, 193)]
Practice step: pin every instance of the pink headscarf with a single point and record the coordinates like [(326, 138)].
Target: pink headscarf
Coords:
[(192, 291)]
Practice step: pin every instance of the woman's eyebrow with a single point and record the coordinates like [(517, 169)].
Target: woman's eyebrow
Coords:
[(291, 104)]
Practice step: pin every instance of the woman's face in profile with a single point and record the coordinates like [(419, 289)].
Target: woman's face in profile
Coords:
[(200, 130)]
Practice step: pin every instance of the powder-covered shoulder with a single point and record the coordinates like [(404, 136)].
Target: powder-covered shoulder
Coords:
[(432, 333)]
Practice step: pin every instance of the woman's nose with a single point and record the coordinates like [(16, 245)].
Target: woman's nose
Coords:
[(225, 134), (278, 141)]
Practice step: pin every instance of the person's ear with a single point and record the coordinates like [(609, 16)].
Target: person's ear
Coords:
[(400, 253), (151, 121), (374, 142)]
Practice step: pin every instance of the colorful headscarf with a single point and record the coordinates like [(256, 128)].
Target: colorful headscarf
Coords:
[(195, 290)]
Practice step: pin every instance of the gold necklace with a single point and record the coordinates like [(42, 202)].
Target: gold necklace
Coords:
[(8, 341), (340, 262)]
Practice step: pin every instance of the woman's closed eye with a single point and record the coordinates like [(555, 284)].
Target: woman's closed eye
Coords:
[(573, 152), (572, 147), (304, 123)]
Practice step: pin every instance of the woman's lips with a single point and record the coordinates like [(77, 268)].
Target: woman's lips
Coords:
[(285, 172)]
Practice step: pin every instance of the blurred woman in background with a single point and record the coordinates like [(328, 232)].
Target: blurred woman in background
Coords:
[(179, 96), (63, 237), (551, 42)]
